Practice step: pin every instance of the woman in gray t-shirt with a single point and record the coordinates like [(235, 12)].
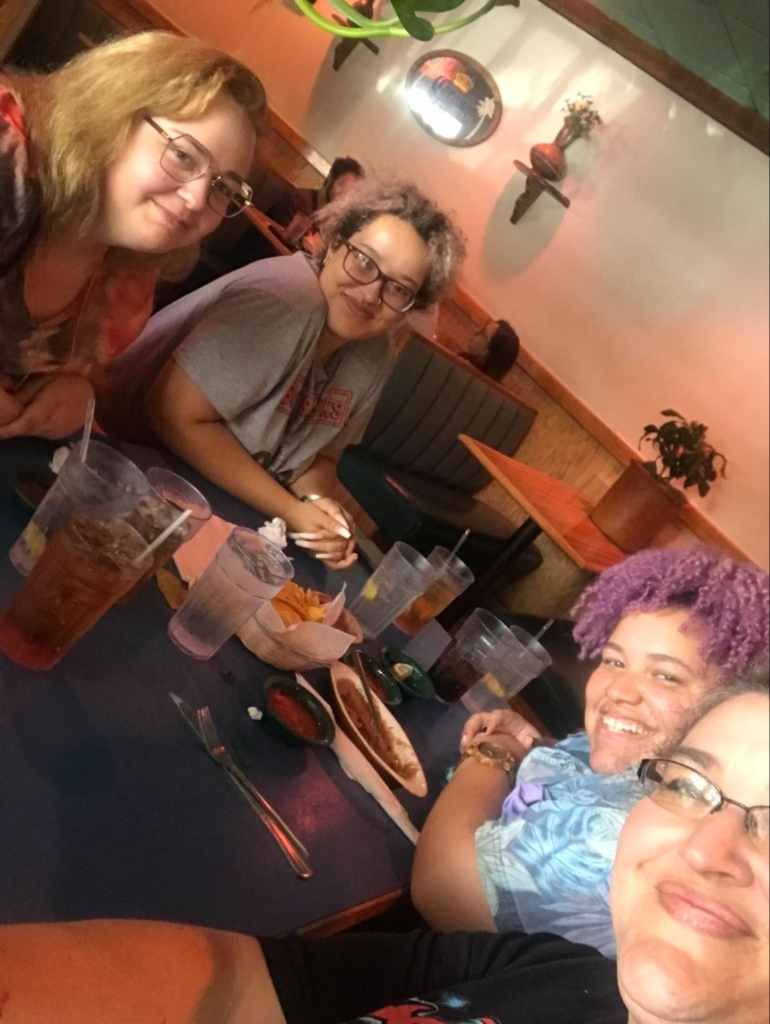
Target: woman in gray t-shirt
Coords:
[(258, 378)]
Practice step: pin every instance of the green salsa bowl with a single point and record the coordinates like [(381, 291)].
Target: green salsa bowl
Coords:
[(418, 683), (298, 715)]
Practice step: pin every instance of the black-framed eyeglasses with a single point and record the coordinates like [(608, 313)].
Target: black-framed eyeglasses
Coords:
[(185, 159), (364, 270), (687, 793)]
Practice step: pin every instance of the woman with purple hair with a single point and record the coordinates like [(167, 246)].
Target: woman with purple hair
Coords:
[(668, 626)]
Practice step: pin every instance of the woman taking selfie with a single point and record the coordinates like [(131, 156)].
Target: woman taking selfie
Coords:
[(258, 379), (667, 626), (111, 171)]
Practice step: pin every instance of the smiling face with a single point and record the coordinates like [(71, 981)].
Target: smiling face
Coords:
[(145, 209), (650, 676), (356, 311), (690, 898)]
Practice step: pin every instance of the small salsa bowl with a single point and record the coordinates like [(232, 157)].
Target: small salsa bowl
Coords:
[(297, 713), (418, 684)]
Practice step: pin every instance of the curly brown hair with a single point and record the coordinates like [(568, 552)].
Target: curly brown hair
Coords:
[(378, 197)]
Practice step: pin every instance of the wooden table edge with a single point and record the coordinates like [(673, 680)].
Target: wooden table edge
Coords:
[(561, 541)]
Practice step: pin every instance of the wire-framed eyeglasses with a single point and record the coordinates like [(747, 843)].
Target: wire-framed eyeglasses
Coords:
[(685, 792), (185, 159), (364, 270)]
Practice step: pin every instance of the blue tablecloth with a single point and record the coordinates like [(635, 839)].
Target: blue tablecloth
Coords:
[(109, 807)]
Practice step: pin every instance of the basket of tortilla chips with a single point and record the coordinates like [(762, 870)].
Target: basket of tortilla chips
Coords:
[(301, 629)]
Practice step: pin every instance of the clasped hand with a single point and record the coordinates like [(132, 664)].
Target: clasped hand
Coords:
[(47, 405), (501, 724), (327, 530)]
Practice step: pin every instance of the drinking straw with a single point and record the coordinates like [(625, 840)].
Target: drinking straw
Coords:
[(540, 633), (162, 537), (88, 427), (458, 545)]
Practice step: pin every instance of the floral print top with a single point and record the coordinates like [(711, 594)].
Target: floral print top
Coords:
[(100, 323), (545, 863)]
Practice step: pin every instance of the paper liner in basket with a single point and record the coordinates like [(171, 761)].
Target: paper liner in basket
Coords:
[(319, 641)]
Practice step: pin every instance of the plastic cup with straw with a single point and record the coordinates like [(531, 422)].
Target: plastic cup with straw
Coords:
[(452, 578), (86, 566)]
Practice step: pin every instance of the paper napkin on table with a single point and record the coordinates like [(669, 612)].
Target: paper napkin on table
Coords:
[(194, 557), (358, 768)]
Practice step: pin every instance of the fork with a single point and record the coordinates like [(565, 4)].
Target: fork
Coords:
[(291, 847)]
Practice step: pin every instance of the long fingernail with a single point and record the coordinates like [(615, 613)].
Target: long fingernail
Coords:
[(342, 532), (322, 557), (303, 543), (305, 536)]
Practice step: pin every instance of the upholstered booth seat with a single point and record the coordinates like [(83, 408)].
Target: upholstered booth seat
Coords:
[(410, 473)]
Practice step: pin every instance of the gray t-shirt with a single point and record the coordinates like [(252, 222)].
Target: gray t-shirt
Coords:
[(248, 341)]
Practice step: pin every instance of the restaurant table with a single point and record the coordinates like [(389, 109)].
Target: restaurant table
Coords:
[(109, 807), (552, 507)]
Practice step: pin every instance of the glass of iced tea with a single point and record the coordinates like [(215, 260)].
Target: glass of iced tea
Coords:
[(452, 577), (170, 495), (86, 566), (106, 481)]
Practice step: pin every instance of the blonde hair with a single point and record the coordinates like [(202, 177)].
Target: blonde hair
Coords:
[(81, 116)]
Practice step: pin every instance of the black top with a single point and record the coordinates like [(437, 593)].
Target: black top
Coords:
[(443, 979)]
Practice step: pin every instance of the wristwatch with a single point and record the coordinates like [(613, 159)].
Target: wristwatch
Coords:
[(490, 755)]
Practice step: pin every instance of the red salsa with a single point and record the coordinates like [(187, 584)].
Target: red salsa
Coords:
[(294, 714)]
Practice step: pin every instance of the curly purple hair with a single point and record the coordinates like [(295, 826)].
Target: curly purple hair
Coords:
[(730, 600)]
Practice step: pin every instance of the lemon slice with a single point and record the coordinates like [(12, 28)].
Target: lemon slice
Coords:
[(370, 591), (402, 671), (35, 540), (492, 684)]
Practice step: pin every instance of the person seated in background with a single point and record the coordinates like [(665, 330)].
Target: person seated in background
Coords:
[(690, 910), (669, 625), (297, 208), (112, 169), (494, 349), (261, 377)]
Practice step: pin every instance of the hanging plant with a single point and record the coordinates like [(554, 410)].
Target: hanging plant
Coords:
[(406, 23)]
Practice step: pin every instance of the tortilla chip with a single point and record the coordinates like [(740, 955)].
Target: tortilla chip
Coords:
[(295, 605), (172, 588)]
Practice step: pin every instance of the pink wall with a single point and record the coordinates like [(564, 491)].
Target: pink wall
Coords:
[(650, 292)]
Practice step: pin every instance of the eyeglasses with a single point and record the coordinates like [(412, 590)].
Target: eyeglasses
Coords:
[(685, 792), (185, 159), (364, 270)]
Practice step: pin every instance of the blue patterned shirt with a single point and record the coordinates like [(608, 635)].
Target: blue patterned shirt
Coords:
[(545, 863)]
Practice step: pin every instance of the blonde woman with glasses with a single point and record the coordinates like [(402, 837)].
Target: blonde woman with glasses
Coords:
[(260, 378), (112, 169)]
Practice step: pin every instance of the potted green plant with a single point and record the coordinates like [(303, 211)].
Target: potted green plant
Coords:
[(642, 499)]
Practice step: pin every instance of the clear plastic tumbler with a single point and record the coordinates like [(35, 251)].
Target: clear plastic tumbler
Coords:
[(169, 495), (452, 578), (468, 657), (87, 565), (106, 481), (247, 571), (401, 576), (518, 659)]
